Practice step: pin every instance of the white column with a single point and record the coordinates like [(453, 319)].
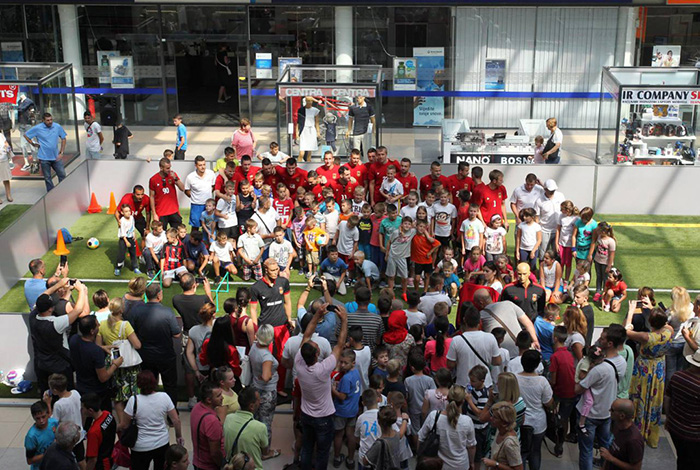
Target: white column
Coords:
[(626, 36), (343, 41), (70, 40)]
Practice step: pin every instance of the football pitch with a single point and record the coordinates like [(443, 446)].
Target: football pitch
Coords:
[(656, 251)]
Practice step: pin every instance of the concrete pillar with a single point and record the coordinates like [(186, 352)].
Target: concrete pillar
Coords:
[(70, 40), (626, 36), (343, 42)]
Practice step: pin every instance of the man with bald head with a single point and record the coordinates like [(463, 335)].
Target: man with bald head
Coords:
[(525, 293), (627, 449), (504, 314), (271, 293)]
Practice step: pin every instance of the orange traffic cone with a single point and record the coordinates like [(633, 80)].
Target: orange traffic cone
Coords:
[(94, 208), (60, 245), (112, 204)]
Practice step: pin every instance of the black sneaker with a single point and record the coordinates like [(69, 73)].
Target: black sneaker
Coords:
[(338, 461), (572, 438), (217, 279)]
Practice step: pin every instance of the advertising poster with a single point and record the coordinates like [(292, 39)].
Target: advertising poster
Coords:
[(121, 71), (430, 75), (405, 73), (495, 75), (263, 65), (12, 51), (666, 56), (9, 93), (282, 64), (103, 65)]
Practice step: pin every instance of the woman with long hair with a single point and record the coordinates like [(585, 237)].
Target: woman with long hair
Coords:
[(679, 316), (492, 276), (244, 327), (456, 431), (197, 335), (436, 349), (577, 327), (648, 375), (220, 348), (112, 329)]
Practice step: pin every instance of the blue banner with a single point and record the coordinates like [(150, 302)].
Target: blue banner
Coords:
[(429, 110)]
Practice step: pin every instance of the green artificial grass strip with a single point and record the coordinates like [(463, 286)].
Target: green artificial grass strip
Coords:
[(11, 212)]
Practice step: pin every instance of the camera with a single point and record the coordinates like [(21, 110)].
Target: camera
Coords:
[(200, 279), (72, 282), (332, 308), (115, 354), (318, 283)]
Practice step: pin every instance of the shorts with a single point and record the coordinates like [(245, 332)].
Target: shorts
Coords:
[(617, 297), (225, 264), (195, 214), (444, 241), (565, 255), (341, 423), (312, 257), (172, 273), (482, 440), (231, 232), (396, 267), (424, 268), (582, 253)]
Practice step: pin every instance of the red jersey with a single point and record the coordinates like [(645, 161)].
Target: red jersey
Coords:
[(358, 172), (297, 180), (317, 191), (409, 182), (455, 184), (562, 362), (462, 214), (100, 440), (173, 256), (341, 192), (239, 175), (491, 201), (379, 172), (285, 209), (220, 184), (426, 183), (618, 288), (136, 209), (331, 173), (165, 193), (273, 180)]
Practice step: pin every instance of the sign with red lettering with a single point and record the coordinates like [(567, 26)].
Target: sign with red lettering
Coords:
[(352, 92), (9, 93)]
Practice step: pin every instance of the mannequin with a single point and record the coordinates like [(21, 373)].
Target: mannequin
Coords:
[(359, 117), (26, 117), (330, 120), (307, 129)]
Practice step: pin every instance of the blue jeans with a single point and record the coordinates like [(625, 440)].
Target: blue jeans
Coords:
[(57, 166), (595, 427), (317, 432)]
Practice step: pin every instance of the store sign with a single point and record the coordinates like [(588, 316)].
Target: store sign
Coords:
[(263, 65), (9, 94), (288, 91), (405, 73), (486, 159), (652, 95), (121, 72), (495, 75), (429, 110)]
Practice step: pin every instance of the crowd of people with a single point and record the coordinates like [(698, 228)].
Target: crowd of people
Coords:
[(377, 380)]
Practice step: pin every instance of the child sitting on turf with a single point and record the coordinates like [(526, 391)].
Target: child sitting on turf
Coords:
[(500, 335), (615, 291), (505, 269), (346, 398), (41, 435), (394, 382), (451, 283), (477, 396), (363, 354), (381, 358), (155, 241), (126, 241), (208, 220), (523, 342), (416, 386), (196, 252), (66, 409), (313, 236), (367, 427), (334, 269), (172, 262), (250, 249), (181, 233), (582, 276), (222, 256), (226, 212), (474, 263)]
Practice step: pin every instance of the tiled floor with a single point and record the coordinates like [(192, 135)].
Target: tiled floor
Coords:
[(16, 421)]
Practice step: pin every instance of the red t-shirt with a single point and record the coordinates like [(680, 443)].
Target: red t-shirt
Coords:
[(297, 180), (358, 172), (341, 192), (455, 185), (165, 193), (331, 173), (462, 215), (205, 427), (618, 289), (285, 209), (317, 191), (128, 199), (420, 247), (491, 201), (100, 440), (426, 183), (379, 174), (220, 184), (273, 179), (410, 182), (239, 175), (562, 362)]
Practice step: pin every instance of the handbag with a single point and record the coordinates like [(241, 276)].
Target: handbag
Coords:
[(127, 350), (549, 146), (246, 377), (121, 456), (130, 435), (430, 445)]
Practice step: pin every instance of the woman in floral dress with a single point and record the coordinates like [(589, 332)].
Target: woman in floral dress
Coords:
[(647, 386)]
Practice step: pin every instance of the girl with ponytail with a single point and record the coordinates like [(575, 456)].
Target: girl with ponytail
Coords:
[(436, 349), (243, 326)]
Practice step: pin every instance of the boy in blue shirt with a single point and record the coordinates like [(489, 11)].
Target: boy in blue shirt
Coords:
[(41, 435), (451, 286), (196, 252), (334, 269), (181, 140), (346, 398), (544, 328)]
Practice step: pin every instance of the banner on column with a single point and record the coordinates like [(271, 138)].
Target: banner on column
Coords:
[(495, 79), (263, 65), (429, 110), (103, 65), (121, 71), (404, 73)]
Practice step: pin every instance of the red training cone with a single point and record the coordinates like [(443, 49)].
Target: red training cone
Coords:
[(94, 207)]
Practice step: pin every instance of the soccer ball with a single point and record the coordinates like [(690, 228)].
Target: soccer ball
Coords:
[(93, 243), (322, 239), (13, 377)]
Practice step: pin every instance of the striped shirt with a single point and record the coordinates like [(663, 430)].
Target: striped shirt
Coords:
[(479, 398), (684, 411), (372, 327)]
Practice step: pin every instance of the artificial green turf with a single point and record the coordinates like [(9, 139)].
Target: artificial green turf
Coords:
[(660, 257), (11, 212)]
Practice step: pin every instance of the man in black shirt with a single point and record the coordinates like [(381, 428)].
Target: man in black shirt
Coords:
[(101, 433), (525, 294), (156, 327), (122, 134), (272, 294), (59, 456), (359, 117)]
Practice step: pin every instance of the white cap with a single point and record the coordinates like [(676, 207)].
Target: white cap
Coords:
[(550, 185)]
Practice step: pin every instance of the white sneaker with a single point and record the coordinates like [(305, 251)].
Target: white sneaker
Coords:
[(191, 402), (26, 167)]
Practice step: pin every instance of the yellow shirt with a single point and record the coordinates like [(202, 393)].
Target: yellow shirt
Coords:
[(111, 334), (231, 403), (221, 164), (310, 237)]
